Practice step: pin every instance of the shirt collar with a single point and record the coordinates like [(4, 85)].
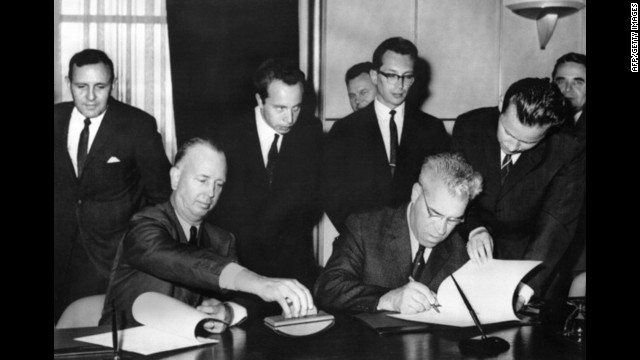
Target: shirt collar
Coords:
[(514, 157), (383, 110), (265, 132), (186, 226), (414, 241), (95, 122)]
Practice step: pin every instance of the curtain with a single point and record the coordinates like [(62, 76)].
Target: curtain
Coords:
[(216, 47), (133, 33)]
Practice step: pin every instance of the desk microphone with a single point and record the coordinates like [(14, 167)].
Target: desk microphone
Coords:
[(485, 346)]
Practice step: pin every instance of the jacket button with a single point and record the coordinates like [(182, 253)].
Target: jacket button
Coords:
[(79, 202)]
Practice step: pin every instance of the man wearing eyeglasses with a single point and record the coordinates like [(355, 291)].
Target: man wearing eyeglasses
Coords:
[(371, 266), (534, 179), (373, 156)]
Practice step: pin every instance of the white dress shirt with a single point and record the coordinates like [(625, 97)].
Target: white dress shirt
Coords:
[(383, 116), (265, 134), (414, 242), (514, 157), (76, 124)]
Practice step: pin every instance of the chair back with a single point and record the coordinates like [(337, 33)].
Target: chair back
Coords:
[(84, 312), (579, 286)]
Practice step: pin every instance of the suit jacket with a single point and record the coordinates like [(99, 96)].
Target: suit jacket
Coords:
[(533, 215), (373, 256), (155, 255), (356, 174), (272, 224), (93, 211)]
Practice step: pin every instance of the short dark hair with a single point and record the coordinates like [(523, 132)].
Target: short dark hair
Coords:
[(90, 57), (396, 44), (569, 57), (538, 102), (357, 69), (209, 141), (286, 71)]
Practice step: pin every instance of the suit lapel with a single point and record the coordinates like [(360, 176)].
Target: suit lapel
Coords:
[(492, 154), (396, 242), (527, 161), (374, 135), (439, 256), (63, 136), (106, 133), (255, 150)]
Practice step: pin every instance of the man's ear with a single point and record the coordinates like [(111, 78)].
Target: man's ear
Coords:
[(259, 101), (416, 191), (174, 174), (500, 101), (374, 76), (67, 81), (114, 83)]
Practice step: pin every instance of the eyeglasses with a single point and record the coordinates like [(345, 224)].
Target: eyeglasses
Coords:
[(392, 79), (450, 221)]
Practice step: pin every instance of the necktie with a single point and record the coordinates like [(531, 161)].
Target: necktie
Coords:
[(272, 157), (83, 146), (193, 238), (393, 144), (418, 263), (505, 168)]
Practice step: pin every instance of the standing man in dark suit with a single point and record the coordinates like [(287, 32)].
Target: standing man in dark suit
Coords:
[(270, 203), (534, 179), (570, 74), (108, 162), (373, 156), (370, 266)]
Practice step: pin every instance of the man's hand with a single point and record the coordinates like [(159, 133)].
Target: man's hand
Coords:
[(217, 310), (294, 298), (480, 247), (412, 298)]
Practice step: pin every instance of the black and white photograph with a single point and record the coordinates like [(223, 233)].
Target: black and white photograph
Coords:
[(321, 179)]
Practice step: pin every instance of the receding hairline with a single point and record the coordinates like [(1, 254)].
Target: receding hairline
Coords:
[(204, 144)]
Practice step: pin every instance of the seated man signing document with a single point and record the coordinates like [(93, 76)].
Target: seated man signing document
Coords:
[(371, 266), (168, 249)]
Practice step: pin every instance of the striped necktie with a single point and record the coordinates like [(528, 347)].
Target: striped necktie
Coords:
[(505, 168)]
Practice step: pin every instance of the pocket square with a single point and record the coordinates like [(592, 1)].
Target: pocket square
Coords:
[(112, 160)]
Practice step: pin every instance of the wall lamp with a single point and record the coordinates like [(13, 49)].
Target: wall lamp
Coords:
[(545, 12)]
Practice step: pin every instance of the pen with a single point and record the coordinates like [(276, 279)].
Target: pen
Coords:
[(434, 306), (468, 305), (114, 333)]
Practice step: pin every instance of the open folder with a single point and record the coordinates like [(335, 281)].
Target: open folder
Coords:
[(169, 324), (489, 287)]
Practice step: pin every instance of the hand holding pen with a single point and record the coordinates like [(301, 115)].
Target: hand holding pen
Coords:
[(433, 302), (414, 297)]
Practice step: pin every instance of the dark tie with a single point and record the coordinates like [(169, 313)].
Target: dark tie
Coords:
[(418, 263), (393, 144), (272, 157), (505, 168), (83, 146), (193, 238)]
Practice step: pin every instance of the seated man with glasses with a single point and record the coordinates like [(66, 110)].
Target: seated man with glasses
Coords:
[(371, 266), (534, 179), (373, 156)]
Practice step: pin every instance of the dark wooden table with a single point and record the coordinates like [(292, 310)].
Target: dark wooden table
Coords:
[(350, 339)]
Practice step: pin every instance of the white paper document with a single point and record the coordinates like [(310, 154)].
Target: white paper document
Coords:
[(169, 324), (489, 288)]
